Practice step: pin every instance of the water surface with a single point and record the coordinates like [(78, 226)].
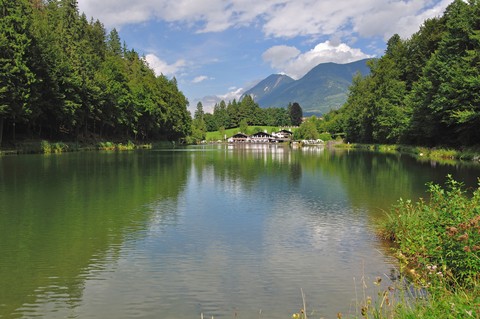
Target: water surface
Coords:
[(215, 230)]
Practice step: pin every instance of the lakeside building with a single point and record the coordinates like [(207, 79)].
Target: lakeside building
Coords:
[(262, 137)]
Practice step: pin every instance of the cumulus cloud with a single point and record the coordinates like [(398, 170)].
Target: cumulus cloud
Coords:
[(200, 78), (277, 18), (162, 67), (209, 101), (296, 64), (234, 93)]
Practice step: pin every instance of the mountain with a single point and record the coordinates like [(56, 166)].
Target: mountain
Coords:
[(269, 86), (323, 88)]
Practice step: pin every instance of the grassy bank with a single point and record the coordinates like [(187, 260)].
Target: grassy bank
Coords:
[(466, 154), (49, 147), (437, 242)]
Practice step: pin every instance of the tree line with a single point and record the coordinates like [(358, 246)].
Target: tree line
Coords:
[(64, 77), (425, 90), (242, 114)]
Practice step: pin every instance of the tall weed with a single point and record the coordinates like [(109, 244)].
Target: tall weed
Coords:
[(441, 238)]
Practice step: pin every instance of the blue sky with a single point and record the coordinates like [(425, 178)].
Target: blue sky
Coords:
[(217, 49)]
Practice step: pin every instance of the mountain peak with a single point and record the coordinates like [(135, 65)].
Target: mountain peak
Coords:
[(323, 88), (269, 86)]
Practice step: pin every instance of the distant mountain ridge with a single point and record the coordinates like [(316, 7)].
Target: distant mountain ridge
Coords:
[(269, 86), (323, 88)]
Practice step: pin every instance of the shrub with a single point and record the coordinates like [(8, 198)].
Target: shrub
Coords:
[(440, 238), (325, 137), (45, 147), (106, 146)]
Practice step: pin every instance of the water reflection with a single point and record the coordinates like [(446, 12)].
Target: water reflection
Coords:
[(211, 229), (65, 217)]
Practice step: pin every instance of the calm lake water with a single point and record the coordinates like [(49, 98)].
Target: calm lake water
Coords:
[(214, 230)]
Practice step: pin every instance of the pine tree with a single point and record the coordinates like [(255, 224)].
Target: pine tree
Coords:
[(15, 74), (296, 114)]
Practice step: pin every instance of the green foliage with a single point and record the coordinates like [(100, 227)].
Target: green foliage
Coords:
[(296, 114), (107, 146), (440, 237), (243, 113), (424, 90), (307, 130), (62, 76), (15, 73), (243, 126), (199, 127), (110, 146), (325, 137), (58, 147), (45, 147)]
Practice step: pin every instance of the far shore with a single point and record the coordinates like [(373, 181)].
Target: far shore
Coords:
[(447, 155)]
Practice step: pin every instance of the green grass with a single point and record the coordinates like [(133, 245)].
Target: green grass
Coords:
[(49, 147), (217, 136), (447, 155), (110, 146)]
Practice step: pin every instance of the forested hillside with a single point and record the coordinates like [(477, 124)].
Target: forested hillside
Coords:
[(63, 77), (425, 90)]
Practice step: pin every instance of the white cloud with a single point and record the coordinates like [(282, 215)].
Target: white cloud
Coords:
[(296, 64), (280, 55), (277, 18), (234, 93), (200, 78), (162, 67), (209, 101)]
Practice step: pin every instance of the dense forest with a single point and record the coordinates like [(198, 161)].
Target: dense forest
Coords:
[(425, 90), (64, 77)]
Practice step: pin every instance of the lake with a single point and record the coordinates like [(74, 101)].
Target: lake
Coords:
[(219, 230)]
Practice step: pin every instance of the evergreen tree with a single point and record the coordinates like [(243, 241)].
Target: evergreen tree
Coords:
[(446, 98), (15, 74), (199, 128), (296, 114)]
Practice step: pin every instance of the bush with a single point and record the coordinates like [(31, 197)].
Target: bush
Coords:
[(325, 137), (108, 146), (45, 147), (440, 238)]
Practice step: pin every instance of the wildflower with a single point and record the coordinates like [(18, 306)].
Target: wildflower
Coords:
[(296, 316), (377, 281), (432, 268), (339, 315)]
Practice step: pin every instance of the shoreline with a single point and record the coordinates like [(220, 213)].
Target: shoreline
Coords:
[(58, 147), (471, 154)]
